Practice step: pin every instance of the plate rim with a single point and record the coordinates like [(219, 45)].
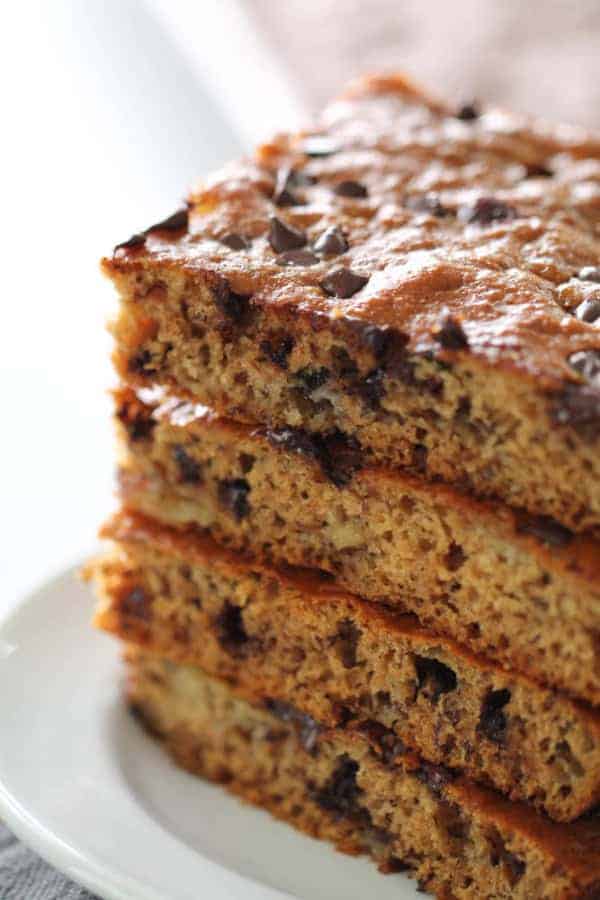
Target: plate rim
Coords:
[(84, 867)]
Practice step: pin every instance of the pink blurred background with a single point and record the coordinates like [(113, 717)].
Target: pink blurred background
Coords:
[(540, 56)]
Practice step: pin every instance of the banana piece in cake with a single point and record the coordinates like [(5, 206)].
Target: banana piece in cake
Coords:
[(425, 286)]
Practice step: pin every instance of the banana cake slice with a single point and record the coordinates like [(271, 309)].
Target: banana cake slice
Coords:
[(521, 589), (297, 637), (423, 284), (356, 788)]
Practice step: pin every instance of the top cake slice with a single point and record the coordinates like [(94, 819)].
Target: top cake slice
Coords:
[(423, 280)]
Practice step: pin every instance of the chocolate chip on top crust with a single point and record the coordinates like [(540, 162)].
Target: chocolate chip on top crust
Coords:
[(178, 221), (486, 211), (450, 334), (589, 273), (136, 240), (588, 310), (350, 188), (538, 170), (343, 283), (468, 112), (332, 242), (283, 195), (235, 241), (283, 237)]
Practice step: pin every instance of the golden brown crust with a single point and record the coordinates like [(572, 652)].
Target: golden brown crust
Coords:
[(460, 840), (427, 285), (303, 641), (507, 281)]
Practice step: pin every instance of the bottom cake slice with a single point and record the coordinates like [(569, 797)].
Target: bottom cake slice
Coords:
[(355, 789)]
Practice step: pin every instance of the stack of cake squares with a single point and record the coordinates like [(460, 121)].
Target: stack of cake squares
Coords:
[(356, 569)]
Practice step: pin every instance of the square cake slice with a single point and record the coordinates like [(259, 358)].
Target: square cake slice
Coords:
[(518, 588), (458, 839), (298, 638), (423, 285)]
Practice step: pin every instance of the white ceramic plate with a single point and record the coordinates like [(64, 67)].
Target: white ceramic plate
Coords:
[(90, 792)]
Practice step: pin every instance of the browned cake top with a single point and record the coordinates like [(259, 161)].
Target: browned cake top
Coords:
[(456, 227)]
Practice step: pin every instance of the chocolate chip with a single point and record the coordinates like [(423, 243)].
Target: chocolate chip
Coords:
[(545, 529), (235, 307), (277, 349), (343, 283), (283, 194), (137, 420), (372, 388), (513, 865), (233, 495), (487, 210), (578, 406), (434, 678), (386, 344), (428, 203), (346, 641), (229, 628), (176, 222), (455, 557), (383, 741), (136, 240), (235, 241), (312, 378), (589, 273), (339, 456), (308, 728), (139, 362), (246, 461), (419, 457), (297, 258), (295, 440), (319, 145), (331, 242), (284, 237), (341, 792), (492, 720), (586, 363), (190, 471), (450, 334), (435, 777), (137, 604), (588, 310), (538, 170), (350, 188), (468, 112)]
